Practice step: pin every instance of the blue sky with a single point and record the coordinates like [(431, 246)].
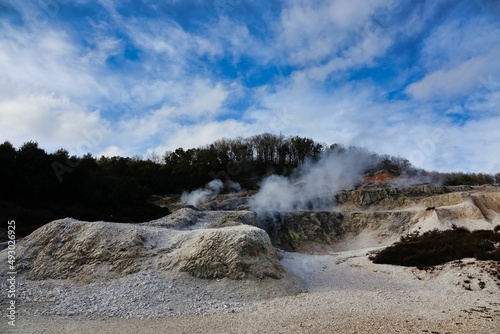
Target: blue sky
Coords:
[(419, 79)]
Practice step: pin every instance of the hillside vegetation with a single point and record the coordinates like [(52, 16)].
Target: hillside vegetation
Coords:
[(38, 187)]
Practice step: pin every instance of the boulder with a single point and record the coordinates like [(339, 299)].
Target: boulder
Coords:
[(234, 252)]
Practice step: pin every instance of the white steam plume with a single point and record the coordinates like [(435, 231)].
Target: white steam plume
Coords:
[(313, 186), (199, 195), (233, 186)]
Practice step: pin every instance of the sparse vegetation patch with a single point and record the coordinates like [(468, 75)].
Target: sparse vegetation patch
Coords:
[(438, 247)]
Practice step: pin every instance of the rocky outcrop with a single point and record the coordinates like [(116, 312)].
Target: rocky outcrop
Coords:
[(82, 251), (228, 202), (299, 230), (397, 197), (392, 221), (294, 229), (235, 252), (96, 251), (217, 202), (191, 218), (377, 217), (381, 176), (393, 197)]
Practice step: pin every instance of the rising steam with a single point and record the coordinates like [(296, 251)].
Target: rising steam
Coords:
[(200, 195), (313, 185), (214, 187)]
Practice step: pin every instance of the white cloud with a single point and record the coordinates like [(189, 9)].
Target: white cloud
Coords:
[(59, 91), (304, 33), (193, 101), (312, 31), (456, 41), (202, 134), (112, 151), (457, 56), (360, 54), (105, 47), (48, 119), (48, 63), (234, 40), (347, 14), (352, 114), (449, 83), (473, 147), (168, 39), (51, 86), (303, 108), (203, 98)]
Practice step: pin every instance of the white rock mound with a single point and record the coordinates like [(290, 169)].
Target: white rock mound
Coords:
[(102, 269), (96, 251), (235, 252)]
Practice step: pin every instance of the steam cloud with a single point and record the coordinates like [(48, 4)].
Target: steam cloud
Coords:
[(312, 186), (199, 195), (214, 187)]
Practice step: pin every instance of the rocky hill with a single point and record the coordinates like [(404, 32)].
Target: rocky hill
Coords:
[(219, 256), (372, 215), (96, 251)]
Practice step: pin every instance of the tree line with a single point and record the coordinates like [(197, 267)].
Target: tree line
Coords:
[(38, 186)]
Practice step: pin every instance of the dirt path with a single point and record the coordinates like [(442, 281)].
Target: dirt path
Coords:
[(303, 320)]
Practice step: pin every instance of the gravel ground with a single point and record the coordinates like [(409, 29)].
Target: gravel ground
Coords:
[(347, 294), (141, 295)]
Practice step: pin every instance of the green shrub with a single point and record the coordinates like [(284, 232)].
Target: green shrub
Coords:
[(294, 235)]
